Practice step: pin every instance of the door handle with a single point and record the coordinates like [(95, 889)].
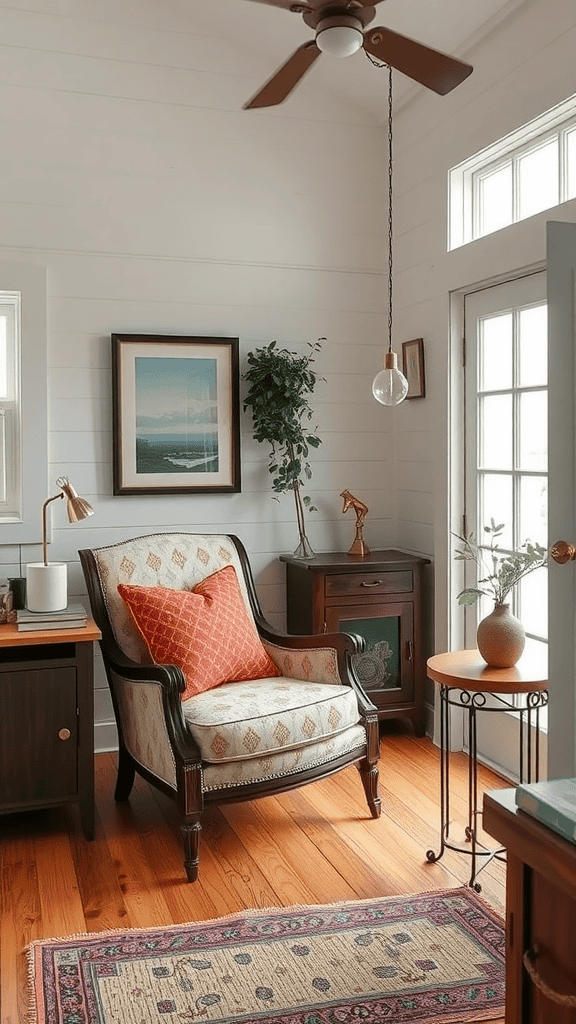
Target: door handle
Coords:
[(563, 552)]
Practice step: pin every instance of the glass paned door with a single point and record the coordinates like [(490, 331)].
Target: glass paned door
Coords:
[(506, 454)]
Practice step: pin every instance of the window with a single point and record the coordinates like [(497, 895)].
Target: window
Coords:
[(511, 414), (23, 402), (10, 468), (530, 170)]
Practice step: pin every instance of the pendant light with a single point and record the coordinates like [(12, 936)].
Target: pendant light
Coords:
[(390, 386)]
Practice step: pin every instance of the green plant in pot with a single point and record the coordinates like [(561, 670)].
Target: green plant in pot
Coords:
[(279, 385), (500, 636)]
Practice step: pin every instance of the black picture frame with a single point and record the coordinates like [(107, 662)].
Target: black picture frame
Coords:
[(413, 367), (175, 414)]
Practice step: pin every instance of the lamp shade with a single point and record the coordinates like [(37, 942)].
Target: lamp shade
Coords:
[(76, 507), (339, 37)]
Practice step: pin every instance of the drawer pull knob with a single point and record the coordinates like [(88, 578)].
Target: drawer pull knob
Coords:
[(64, 734), (376, 583)]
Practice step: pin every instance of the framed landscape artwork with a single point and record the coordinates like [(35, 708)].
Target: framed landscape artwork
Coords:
[(176, 413), (413, 367)]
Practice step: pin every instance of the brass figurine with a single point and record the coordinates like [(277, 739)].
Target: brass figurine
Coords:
[(361, 510)]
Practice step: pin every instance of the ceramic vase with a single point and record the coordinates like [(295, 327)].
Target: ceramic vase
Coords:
[(501, 637)]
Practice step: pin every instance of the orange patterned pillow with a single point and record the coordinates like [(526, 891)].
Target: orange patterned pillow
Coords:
[(206, 631)]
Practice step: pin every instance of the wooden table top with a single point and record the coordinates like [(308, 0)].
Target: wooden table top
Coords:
[(467, 670), (10, 636)]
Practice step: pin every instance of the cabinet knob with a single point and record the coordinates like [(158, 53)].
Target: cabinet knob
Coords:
[(64, 734)]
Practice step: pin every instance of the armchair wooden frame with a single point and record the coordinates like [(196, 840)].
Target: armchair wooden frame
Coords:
[(188, 793)]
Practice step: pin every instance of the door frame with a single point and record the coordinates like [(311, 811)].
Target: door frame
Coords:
[(561, 260), (456, 466)]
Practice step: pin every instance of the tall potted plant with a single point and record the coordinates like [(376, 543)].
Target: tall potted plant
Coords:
[(279, 385)]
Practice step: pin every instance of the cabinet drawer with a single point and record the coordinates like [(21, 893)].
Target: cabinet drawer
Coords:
[(362, 584)]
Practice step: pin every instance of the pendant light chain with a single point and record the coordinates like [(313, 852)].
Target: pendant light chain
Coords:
[(390, 386), (389, 208)]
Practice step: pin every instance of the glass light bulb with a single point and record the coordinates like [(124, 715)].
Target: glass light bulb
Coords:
[(390, 387)]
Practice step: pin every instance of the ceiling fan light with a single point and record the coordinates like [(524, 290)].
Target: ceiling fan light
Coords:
[(339, 40)]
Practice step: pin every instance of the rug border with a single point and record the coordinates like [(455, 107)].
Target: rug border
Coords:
[(33, 949)]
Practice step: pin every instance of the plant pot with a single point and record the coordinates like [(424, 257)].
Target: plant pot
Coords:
[(17, 587), (501, 637)]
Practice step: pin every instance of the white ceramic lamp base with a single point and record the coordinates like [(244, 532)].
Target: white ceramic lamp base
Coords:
[(46, 586)]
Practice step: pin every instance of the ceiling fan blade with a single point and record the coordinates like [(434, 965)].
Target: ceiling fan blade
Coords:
[(288, 5), (281, 84), (431, 68)]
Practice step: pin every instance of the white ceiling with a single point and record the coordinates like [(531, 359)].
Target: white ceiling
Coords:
[(270, 34)]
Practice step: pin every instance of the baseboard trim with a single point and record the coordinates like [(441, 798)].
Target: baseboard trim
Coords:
[(105, 737)]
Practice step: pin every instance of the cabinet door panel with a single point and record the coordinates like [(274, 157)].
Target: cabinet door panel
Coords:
[(36, 764), (553, 912), (386, 669)]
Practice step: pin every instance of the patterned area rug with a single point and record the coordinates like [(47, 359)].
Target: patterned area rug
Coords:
[(433, 957)]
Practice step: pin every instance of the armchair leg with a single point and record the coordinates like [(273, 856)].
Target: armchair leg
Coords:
[(369, 774), (126, 773), (191, 829)]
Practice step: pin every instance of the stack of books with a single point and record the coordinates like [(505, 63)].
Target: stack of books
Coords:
[(553, 803), (72, 617)]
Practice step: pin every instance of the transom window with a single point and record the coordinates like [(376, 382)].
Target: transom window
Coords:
[(530, 170)]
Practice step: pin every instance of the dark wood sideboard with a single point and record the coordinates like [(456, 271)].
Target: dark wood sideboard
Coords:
[(47, 720), (540, 912), (382, 597)]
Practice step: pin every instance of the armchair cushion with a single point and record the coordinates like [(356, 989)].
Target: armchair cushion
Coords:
[(285, 763), (263, 717), (206, 631)]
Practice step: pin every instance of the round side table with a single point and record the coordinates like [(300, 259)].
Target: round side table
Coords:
[(466, 682)]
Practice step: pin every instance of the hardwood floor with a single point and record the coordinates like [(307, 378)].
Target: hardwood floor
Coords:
[(314, 845)]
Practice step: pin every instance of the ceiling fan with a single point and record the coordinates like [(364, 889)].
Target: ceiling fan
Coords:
[(340, 26)]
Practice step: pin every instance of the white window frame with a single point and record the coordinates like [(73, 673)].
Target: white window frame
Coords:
[(10, 406), (21, 524), (464, 180)]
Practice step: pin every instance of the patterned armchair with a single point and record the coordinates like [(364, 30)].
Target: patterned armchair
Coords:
[(242, 739)]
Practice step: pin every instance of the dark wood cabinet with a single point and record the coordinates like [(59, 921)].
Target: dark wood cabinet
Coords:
[(384, 598), (47, 720), (540, 914)]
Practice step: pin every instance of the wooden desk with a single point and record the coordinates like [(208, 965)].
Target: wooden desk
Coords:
[(466, 682), (47, 719), (540, 911)]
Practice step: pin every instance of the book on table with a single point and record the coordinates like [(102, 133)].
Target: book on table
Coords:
[(552, 802), (72, 616)]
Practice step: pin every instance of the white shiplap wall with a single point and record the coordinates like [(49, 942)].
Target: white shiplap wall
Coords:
[(157, 205)]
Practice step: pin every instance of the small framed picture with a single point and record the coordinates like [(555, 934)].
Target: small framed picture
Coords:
[(176, 411), (413, 367)]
